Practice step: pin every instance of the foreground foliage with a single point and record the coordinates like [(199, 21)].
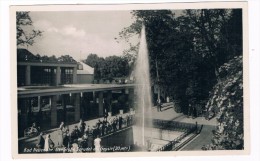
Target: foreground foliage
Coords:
[(226, 101)]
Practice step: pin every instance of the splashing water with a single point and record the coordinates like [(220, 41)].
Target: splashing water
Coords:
[(144, 103)]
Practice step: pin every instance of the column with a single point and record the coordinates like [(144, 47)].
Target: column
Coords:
[(100, 104), (53, 77), (28, 75), (74, 75), (77, 106), (64, 104), (24, 113), (109, 102), (58, 80), (39, 102), (131, 99), (53, 102)]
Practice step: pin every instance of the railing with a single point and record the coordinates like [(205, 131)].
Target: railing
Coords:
[(176, 144), (165, 124)]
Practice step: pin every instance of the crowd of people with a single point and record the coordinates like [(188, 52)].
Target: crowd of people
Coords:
[(83, 136)]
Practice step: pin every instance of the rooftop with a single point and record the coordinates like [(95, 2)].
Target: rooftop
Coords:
[(33, 91)]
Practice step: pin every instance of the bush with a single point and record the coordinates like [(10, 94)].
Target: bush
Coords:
[(226, 101)]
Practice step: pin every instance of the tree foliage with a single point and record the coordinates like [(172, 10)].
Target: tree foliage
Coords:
[(227, 99), (24, 34), (109, 67), (25, 55), (188, 48)]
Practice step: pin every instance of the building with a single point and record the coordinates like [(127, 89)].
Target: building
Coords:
[(51, 91), (85, 73), (35, 71)]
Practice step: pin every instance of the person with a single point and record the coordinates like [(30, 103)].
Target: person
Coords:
[(87, 131), (127, 120), (75, 134), (98, 123), (120, 122), (105, 115), (168, 99), (66, 140), (84, 142), (61, 127), (34, 129), (82, 127), (103, 128), (40, 141), (48, 143), (97, 144), (159, 106), (60, 134), (90, 141)]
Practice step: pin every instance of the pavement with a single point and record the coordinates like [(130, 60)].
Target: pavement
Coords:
[(204, 138), (165, 114)]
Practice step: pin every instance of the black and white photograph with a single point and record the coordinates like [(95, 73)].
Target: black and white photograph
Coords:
[(130, 79)]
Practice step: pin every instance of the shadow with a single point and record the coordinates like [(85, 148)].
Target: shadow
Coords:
[(177, 117)]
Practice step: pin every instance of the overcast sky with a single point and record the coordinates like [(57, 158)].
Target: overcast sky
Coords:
[(80, 33)]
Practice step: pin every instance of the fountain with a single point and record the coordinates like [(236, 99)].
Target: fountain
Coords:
[(148, 132), (144, 103)]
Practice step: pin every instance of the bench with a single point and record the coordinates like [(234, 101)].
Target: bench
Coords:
[(31, 132), (167, 105)]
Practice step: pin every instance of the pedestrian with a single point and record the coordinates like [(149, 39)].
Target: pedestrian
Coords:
[(97, 144), (87, 131), (61, 133), (90, 141), (127, 120), (75, 134), (82, 126), (105, 115), (48, 143), (40, 141), (120, 122), (61, 127), (66, 140), (159, 106)]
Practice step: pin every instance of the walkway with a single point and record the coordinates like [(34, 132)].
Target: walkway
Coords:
[(166, 114), (204, 138)]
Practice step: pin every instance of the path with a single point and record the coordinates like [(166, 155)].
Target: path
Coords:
[(167, 114), (203, 138)]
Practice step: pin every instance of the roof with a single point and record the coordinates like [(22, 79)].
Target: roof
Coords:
[(32, 91), (85, 69), (24, 55)]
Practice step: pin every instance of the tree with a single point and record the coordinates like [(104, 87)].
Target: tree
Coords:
[(109, 67), (186, 50), (24, 35), (66, 59), (227, 99), (95, 62)]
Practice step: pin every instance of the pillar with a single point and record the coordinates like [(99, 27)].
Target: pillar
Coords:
[(28, 75), (109, 102), (64, 106), (24, 113), (58, 80), (39, 102), (53, 102), (131, 98), (77, 106), (74, 75), (94, 97), (100, 104)]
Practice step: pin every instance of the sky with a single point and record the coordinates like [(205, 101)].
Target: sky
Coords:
[(80, 33)]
